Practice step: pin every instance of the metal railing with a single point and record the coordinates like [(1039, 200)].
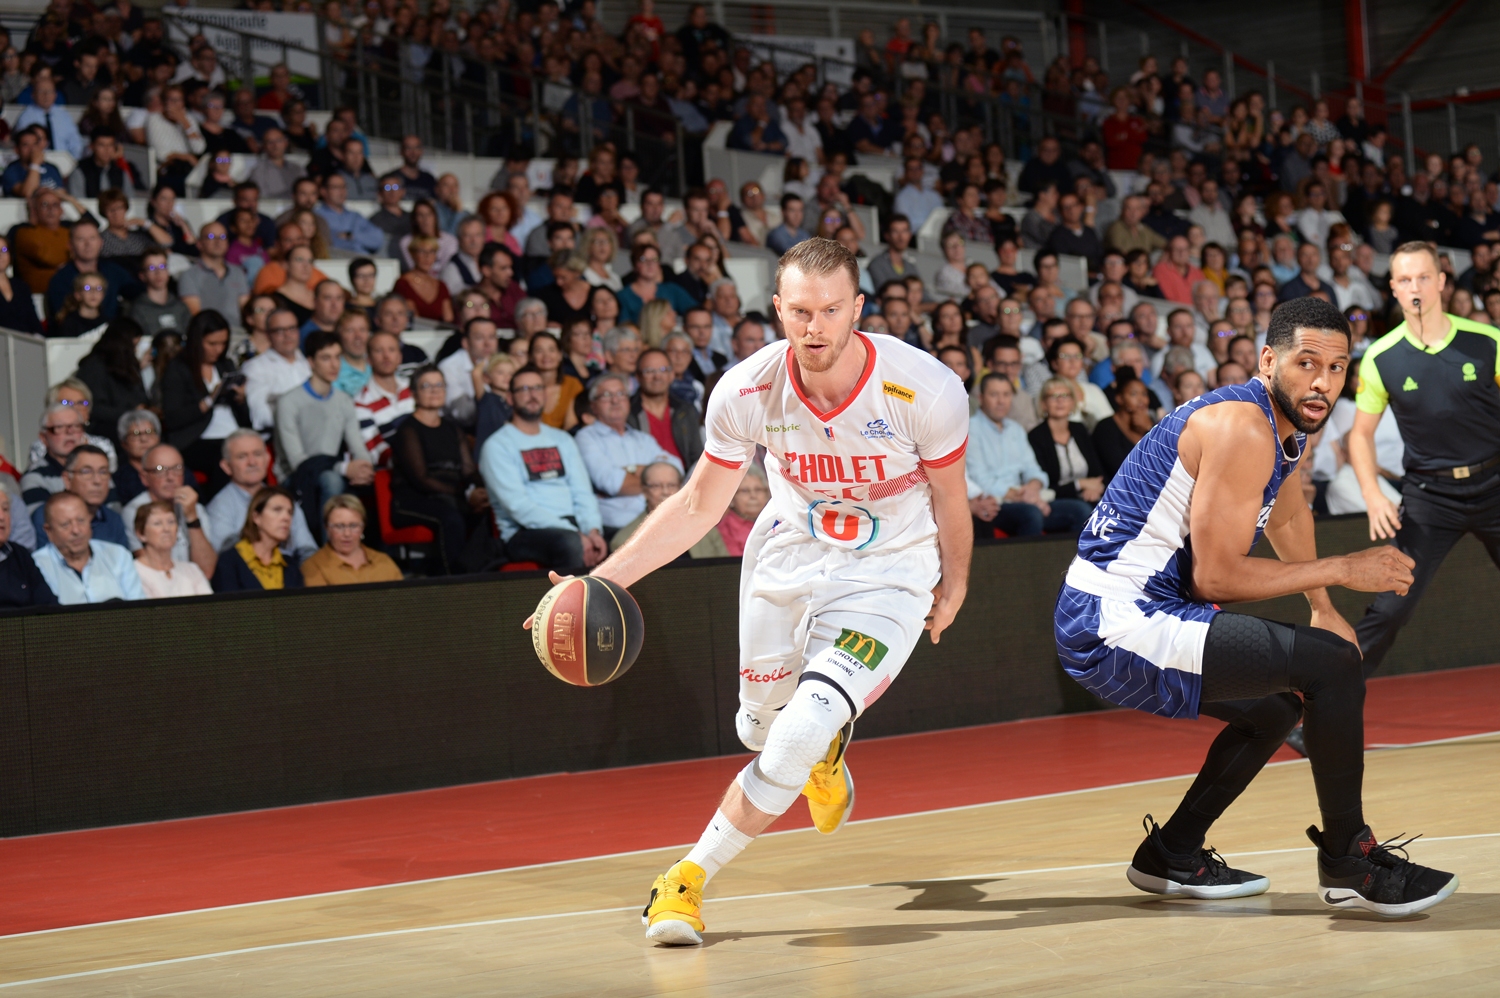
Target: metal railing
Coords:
[(460, 105)]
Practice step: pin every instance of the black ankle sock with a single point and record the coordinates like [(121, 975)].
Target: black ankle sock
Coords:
[(1184, 832), (1338, 830)]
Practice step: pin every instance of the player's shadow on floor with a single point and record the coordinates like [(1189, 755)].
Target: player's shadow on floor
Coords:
[(1462, 911)]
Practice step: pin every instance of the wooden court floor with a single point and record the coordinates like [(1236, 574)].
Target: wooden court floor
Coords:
[(1025, 897)]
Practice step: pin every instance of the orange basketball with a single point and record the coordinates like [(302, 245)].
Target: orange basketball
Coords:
[(587, 631)]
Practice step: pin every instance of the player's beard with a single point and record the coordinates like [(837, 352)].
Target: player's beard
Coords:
[(1292, 411), (817, 363)]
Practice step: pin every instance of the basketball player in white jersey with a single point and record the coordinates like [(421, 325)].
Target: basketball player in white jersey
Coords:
[(864, 439)]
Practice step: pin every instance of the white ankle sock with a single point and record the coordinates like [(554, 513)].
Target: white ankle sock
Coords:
[(720, 843)]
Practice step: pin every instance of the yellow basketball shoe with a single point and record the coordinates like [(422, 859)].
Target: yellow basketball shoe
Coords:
[(674, 915), (830, 786)]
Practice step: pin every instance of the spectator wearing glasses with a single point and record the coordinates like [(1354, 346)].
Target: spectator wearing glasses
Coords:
[(271, 374), (86, 475), (40, 247), (78, 567), (391, 218), (163, 575), (615, 452), (139, 430), (246, 461), (539, 486), (256, 560), (212, 282), (157, 309), (62, 431), (431, 469), (203, 400), (315, 426), (347, 230), (659, 482), (21, 582), (344, 560), (1064, 448), (164, 473), (1002, 354)]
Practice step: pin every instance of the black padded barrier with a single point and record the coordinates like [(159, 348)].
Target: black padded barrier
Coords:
[(166, 709)]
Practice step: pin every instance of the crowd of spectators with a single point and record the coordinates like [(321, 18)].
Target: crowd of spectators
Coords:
[(1126, 263)]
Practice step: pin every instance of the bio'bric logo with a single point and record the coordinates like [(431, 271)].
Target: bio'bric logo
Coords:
[(782, 427)]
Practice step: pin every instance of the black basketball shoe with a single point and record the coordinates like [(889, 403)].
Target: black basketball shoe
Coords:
[(1372, 876), (1202, 874), (1296, 742)]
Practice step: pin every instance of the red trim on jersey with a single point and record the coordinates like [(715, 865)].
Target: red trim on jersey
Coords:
[(864, 379), (723, 463), (943, 462)]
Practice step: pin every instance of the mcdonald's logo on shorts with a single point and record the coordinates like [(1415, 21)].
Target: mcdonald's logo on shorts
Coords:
[(863, 648)]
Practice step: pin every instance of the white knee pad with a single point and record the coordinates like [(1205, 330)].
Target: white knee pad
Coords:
[(797, 741), (753, 724)]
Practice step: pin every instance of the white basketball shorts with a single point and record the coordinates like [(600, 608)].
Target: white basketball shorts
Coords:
[(849, 617)]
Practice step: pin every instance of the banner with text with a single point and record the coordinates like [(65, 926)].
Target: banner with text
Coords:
[(295, 29)]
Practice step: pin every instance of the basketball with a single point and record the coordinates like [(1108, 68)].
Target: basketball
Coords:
[(587, 631)]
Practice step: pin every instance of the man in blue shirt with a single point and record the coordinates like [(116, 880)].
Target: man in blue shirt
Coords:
[(757, 130), (616, 453), (30, 169), (348, 230), (57, 123), (539, 486), (78, 568), (1005, 480), (84, 246), (790, 232), (86, 475)]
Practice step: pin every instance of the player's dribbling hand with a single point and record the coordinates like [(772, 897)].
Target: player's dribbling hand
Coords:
[(1385, 516), (1379, 570), (553, 578)]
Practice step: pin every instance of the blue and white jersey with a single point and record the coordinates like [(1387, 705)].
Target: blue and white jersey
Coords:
[(1129, 628)]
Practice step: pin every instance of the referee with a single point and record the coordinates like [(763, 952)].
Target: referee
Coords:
[(1440, 374)]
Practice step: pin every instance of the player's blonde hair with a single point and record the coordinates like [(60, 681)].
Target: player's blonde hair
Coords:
[(818, 257)]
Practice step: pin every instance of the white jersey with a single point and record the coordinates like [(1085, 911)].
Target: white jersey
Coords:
[(853, 478)]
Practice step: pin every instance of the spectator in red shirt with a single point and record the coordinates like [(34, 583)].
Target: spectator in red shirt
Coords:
[(673, 422), (1124, 133), (1175, 272)]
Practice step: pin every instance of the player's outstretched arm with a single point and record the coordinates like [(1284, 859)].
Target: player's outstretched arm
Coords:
[(1290, 531), (677, 524), (950, 508), (1218, 447)]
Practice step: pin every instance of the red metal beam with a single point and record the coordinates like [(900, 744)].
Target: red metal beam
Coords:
[(1473, 97), (1356, 40), (1419, 41), (1207, 42)]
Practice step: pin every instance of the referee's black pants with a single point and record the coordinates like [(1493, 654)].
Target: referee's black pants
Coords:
[(1432, 521)]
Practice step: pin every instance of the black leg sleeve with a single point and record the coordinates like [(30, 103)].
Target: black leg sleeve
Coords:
[(1251, 667)]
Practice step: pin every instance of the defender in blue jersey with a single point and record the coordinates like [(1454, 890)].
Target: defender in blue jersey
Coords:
[(1138, 620)]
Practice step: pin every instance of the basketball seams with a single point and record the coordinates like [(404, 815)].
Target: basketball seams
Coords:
[(623, 643)]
